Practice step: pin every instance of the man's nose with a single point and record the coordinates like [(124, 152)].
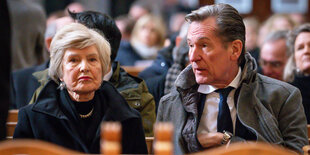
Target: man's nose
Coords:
[(194, 54)]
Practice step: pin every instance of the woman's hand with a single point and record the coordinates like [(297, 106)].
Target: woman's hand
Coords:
[(210, 139)]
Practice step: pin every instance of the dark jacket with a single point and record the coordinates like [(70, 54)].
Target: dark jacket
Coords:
[(46, 120), (24, 84), (269, 108), (126, 54), (160, 65), (303, 84)]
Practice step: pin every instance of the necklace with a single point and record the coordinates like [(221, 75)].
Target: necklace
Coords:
[(87, 115)]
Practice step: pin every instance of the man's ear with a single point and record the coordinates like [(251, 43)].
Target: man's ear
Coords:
[(236, 49), (48, 42)]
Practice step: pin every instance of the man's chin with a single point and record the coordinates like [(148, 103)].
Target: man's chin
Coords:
[(201, 80)]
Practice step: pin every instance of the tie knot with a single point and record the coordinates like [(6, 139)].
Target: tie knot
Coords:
[(224, 91)]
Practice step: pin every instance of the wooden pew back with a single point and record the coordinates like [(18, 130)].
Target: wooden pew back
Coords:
[(11, 123)]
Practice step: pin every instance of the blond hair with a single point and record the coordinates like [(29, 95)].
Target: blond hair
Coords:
[(159, 27)]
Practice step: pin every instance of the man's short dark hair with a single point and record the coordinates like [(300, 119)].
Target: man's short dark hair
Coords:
[(229, 22), (104, 24)]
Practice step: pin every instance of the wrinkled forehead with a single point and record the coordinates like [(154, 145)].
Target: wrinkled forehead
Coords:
[(204, 28)]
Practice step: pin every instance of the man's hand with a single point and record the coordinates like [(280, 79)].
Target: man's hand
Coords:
[(210, 139)]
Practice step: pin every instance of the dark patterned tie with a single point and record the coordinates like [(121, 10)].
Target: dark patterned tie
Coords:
[(224, 121)]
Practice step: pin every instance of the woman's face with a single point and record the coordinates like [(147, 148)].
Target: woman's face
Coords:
[(148, 34), (302, 52), (82, 71)]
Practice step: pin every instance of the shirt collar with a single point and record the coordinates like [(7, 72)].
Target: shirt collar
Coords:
[(207, 89), (108, 76)]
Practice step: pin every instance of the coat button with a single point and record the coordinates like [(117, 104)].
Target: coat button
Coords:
[(162, 64), (137, 104)]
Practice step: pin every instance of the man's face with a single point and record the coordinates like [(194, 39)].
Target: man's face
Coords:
[(211, 60), (273, 59)]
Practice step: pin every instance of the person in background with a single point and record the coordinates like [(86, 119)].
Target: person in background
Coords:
[(21, 92), (139, 8), (133, 89), (176, 21), (74, 7), (28, 24), (148, 37), (53, 16), (126, 53), (275, 22), (162, 84), (274, 55), (72, 105), (251, 33), (220, 98), (297, 69), (125, 24)]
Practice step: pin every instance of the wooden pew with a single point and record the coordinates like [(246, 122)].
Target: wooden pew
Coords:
[(133, 70), (33, 147), (111, 138), (163, 144), (11, 123), (306, 148), (257, 148)]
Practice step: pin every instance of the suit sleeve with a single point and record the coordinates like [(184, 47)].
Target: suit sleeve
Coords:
[(293, 123), (23, 128)]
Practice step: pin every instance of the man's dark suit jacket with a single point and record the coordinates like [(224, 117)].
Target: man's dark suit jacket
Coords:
[(24, 84)]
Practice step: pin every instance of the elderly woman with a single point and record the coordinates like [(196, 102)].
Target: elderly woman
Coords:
[(297, 69), (72, 105)]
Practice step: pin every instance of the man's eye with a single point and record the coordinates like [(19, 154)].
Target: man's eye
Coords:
[(204, 45)]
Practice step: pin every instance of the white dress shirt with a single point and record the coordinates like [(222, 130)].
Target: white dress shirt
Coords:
[(208, 121)]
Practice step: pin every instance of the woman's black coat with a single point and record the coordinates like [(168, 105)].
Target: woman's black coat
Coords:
[(44, 120)]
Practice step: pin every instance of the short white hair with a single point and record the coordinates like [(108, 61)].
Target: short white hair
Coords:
[(76, 36)]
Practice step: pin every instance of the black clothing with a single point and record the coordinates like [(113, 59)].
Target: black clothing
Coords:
[(52, 118), (303, 84), (126, 55), (5, 65), (24, 84)]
